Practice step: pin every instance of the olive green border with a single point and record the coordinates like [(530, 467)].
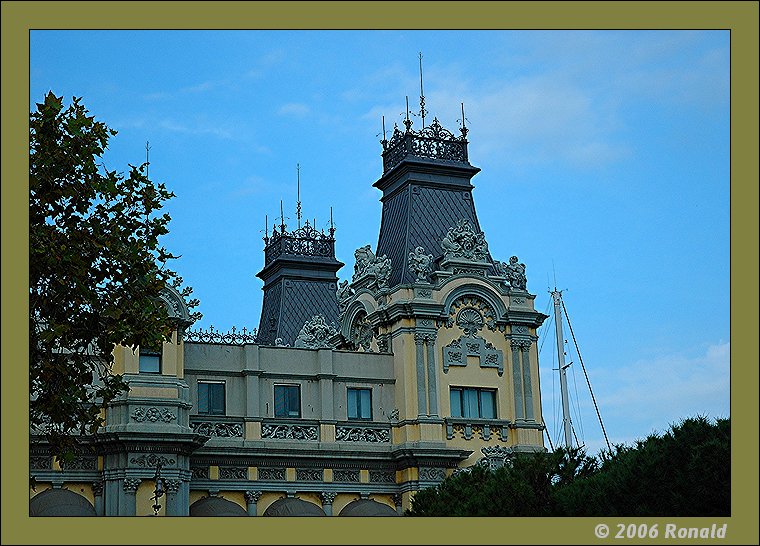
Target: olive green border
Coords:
[(18, 17)]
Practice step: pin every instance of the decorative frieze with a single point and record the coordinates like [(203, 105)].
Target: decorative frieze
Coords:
[(81, 463), (215, 428), (469, 430), (362, 434), (272, 474), (152, 461), (382, 476), (309, 474), (233, 473), (153, 415), (432, 474), (40, 463), (423, 293), (308, 433), (199, 472), (348, 476)]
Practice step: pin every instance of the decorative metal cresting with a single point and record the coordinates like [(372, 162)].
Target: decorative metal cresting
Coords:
[(305, 241), (233, 337), (431, 142)]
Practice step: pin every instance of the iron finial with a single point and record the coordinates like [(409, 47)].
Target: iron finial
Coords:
[(384, 142), (298, 202), (422, 96), (407, 121), (463, 129)]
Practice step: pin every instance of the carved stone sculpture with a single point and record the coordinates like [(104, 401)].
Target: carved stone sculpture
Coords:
[(378, 268), (420, 263), (515, 273), (363, 256), (461, 241), (345, 292), (315, 334)]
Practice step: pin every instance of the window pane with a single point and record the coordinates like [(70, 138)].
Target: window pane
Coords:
[(217, 398), (470, 403), (294, 402), (202, 397), (456, 402), (280, 409), (150, 364), (353, 404), (366, 404), (487, 405)]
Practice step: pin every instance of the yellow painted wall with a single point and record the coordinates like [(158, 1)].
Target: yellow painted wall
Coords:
[(238, 497), (143, 501)]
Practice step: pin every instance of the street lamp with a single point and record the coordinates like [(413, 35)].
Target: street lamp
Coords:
[(160, 489)]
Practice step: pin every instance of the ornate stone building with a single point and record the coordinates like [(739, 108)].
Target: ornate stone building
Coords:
[(351, 395)]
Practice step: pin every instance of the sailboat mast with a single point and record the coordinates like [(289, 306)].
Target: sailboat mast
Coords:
[(557, 297)]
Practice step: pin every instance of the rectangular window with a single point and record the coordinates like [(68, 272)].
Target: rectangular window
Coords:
[(211, 398), (360, 404), (473, 403), (150, 360), (287, 401)]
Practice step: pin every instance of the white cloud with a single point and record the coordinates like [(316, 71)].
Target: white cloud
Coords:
[(297, 109), (643, 397), (196, 129)]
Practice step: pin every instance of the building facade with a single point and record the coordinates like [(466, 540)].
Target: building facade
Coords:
[(350, 396)]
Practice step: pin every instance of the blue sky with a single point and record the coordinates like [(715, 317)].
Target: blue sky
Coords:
[(604, 157)]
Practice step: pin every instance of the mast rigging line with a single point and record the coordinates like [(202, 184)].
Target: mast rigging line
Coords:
[(588, 381)]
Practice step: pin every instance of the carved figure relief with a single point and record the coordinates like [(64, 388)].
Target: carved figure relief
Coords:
[(514, 272), (344, 294), (362, 333), (461, 241), (315, 334), (420, 263), (378, 268)]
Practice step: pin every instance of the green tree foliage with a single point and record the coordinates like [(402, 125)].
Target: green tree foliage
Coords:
[(96, 270), (685, 472)]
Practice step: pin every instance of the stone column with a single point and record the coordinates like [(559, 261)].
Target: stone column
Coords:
[(527, 389), (517, 379), (432, 383), (174, 499), (327, 501), (97, 491), (127, 506), (251, 498), (419, 339)]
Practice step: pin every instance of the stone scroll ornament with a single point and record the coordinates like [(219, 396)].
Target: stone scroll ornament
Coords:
[(514, 272), (378, 268), (315, 334), (463, 242), (420, 263)]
